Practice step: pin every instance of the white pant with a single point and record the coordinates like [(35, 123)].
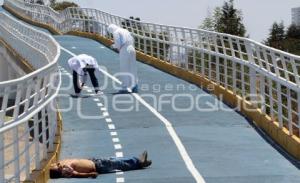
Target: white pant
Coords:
[(128, 67)]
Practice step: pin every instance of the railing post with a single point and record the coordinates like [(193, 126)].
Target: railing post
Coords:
[(234, 88), (252, 73), (44, 133), (2, 144), (271, 101), (253, 85), (289, 109), (51, 126), (298, 111), (36, 141), (16, 154), (157, 39), (218, 70), (279, 98), (27, 154), (262, 92), (16, 134)]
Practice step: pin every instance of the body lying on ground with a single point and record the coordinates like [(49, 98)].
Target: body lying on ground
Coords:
[(90, 168)]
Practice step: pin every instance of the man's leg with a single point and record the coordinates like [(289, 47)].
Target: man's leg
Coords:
[(124, 69), (94, 80), (75, 83), (112, 164), (133, 70)]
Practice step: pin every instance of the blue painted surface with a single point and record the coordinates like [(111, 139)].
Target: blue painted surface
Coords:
[(222, 145)]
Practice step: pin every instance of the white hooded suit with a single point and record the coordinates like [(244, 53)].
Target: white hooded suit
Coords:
[(124, 42)]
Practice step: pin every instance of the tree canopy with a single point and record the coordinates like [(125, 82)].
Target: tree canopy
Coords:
[(60, 6), (41, 2), (225, 19), (276, 36), (286, 40), (293, 32), (210, 22)]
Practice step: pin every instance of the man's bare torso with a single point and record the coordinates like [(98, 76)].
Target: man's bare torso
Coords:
[(79, 165)]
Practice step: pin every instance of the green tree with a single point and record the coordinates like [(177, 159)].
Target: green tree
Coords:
[(288, 41), (52, 2), (292, 42), (277, 36), (225, 19), (210, 22), (293, 32), (231, 20), (60, 6), (41, 2)]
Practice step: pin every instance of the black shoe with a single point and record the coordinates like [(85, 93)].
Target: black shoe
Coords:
[(76, 95), (143, 160), (121, 92), (98, 93), (135, 89)]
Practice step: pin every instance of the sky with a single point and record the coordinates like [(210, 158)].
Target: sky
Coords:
[(258, 15)]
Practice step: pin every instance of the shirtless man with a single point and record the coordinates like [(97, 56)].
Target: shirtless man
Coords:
[(90, 168)]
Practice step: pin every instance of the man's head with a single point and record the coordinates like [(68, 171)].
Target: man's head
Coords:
[(55, 171)]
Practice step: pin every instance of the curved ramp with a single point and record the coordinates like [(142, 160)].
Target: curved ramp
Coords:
[(222, 145)]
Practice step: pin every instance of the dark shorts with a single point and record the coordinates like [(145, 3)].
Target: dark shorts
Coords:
[(112, 164), (98, 164)]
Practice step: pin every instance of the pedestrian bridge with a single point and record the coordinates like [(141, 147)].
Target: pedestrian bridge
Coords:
[(211, 107)]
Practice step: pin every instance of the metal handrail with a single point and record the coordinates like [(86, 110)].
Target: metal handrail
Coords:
[(31, 115)]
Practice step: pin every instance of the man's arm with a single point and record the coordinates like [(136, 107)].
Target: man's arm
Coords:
[(84, 175), (117, 40)]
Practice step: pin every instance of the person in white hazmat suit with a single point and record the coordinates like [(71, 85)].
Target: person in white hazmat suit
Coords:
[(82, 65), (124, 43)]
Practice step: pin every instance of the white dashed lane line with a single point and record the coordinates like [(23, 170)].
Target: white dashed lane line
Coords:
[(116, 141), (108, 120), (111, 127), (119, 154), (119, 180), (118, 146), (113, 133), (120, 173), (105, 114)]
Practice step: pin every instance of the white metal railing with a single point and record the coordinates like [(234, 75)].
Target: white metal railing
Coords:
[(28, 118), (246, 67)]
